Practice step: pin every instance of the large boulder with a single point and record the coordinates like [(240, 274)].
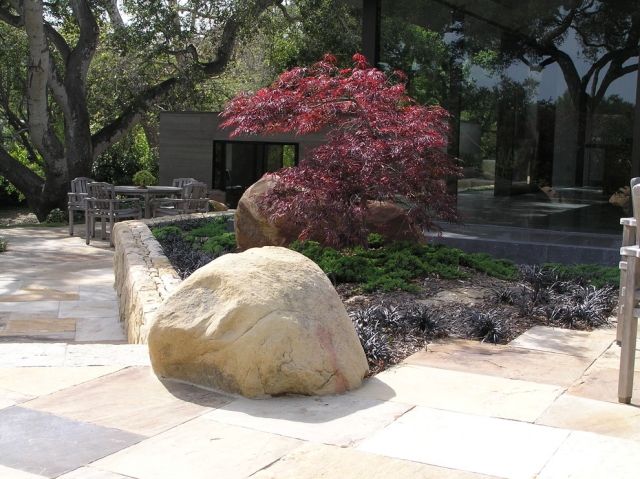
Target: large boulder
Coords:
[(263, 322), (253, 229)]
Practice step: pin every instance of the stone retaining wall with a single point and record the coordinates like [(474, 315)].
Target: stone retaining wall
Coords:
[(144, 277)]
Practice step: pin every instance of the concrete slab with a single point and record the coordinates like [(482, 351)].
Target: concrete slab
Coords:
[(31, 354), (10, 398), (132, 400), (99, 329), (318, 461), (340, 420), (95, 309), (507, 449), (47, 445), (590, 456), (41, 381), (107, 355), (200, 449), (461, 392), (502, 361), (585, 344), (571, 412), (10, 473)]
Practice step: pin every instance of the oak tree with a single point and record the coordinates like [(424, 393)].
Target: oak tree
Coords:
[(49, 114)]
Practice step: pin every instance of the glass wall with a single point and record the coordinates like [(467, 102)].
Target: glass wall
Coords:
[(542, 96)]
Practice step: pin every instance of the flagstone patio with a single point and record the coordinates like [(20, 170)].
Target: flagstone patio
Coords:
[(77, 402)]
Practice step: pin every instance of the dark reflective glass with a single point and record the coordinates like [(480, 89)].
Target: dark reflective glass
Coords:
[(542, 96)]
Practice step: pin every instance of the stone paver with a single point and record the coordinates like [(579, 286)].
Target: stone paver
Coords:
[(461, 392), (592, 456), (341, 420), (602, 384), (132, 400), (85, 405), (10, 473), (502, 361), (10, 398), (39, 381), (566, 341), (49, 445), (200, 449), (467, 442), (318, 461), (571, 412)]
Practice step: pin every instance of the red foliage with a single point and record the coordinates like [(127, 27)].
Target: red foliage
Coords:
[(381, 146)]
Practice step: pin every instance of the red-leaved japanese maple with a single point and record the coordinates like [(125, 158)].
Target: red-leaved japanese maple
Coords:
[(381, 146)]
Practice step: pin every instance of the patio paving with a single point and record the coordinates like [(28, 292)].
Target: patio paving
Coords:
[(77, 402)]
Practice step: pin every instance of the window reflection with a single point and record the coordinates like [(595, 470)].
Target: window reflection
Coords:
[(542, 96)]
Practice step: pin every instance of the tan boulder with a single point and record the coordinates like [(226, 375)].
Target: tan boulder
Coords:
[(254, 230), (217, 206), (263, 322)]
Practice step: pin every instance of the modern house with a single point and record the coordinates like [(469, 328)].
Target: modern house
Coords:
[(543, 98)]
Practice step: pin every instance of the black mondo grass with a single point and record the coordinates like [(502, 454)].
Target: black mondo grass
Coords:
[(489, 326), (388, 334)]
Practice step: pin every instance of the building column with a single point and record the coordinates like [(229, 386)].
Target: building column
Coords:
[(635, 156), (371, 30)]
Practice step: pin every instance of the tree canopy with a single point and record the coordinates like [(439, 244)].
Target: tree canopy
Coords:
[(78, 76), (381, 146)]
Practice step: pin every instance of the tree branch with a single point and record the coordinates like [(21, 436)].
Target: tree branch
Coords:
[(23, 178), (58, 41), (560, 29), (130, 117), (15, 21), (82, 54)]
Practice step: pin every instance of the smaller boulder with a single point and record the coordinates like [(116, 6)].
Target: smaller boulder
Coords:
[(253, 229), (263, 322), (217, 206)]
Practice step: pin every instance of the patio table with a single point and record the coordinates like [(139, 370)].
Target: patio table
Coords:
[(147, 194)]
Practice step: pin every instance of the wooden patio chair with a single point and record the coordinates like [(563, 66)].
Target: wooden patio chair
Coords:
[(193, 199), (101, 202), (629, 311), (629, 238), (181, 182), (76, 199)]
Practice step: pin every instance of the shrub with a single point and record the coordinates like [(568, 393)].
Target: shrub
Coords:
[(381, 146), (57, 217), (498, 268), (144, 178), (593, 274), (4, 243)]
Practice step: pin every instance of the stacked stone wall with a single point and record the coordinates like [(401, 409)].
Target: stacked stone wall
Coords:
[(144, 277)]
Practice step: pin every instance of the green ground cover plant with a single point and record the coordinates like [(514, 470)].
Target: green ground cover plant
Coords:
[(4, 243), (391, 266), (392, 280)]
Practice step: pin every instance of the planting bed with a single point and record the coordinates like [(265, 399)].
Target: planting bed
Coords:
[(402, 296)]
